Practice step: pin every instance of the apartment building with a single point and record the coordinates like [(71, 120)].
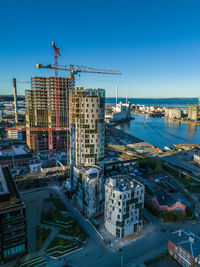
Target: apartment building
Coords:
[(88, 188), (87, 134), (124, 203), (13, 235), (184, 247), (87, 109)]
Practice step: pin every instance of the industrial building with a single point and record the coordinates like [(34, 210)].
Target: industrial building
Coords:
[(124, 203), (13, 233), (87, 131), (120, 113), (46, 108)]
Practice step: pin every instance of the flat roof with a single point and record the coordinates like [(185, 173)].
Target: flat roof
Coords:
[(122, 182), (3, 184), (14, 150), (14, 197)]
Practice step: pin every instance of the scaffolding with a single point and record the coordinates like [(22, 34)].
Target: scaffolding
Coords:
[(41, 113)]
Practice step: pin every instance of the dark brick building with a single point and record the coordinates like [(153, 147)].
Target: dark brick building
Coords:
[(13, 234)]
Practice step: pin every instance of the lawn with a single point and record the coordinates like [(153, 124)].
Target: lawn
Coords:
[(33, 262), (59, 242), (184, 179), (68, 225), (57, 203), (59, 247), (76, 231), (41, 235)]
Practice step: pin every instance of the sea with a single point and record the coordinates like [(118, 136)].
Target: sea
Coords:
[(160, 132)]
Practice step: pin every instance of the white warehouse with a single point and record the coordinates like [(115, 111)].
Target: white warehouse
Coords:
[(124, 203)]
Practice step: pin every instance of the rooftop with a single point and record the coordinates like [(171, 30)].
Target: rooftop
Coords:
[(122, 182), (11, 197), (164, 198), (187, 240), (13, 150)]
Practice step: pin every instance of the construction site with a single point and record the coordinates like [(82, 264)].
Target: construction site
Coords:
[(52, 111)]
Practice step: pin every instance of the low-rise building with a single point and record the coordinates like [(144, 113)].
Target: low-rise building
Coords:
[(121, 112), (124, 203), (165, 202), (13, 234), (173, 113), (196, 158), (184, 247), (15, 156)]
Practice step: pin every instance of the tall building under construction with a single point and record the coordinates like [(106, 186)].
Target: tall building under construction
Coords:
[(44, 108), (87, 126)]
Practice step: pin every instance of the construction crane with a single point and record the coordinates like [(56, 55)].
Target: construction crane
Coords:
[(57, 93), (50, 135), (73, 70)]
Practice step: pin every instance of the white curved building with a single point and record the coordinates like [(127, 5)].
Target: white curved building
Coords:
[(124, 203)]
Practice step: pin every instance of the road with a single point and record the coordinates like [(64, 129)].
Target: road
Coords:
[(98, 255)]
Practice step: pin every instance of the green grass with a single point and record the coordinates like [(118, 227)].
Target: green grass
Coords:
[(75, 230), (57, 203), (32, 262), (55, 215), (117, 147), (60, 242), (41, 235), (59, 247), (184, 179), (58, 254)]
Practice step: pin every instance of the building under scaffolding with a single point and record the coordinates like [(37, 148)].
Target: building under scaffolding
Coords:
[(41, 112)]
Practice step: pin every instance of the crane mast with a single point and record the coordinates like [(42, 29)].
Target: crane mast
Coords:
[(73, 70)]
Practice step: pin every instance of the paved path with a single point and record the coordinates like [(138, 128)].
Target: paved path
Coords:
[(50, 237), (96, 254)]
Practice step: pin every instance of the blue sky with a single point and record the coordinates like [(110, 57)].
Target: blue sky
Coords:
[(156, 44)]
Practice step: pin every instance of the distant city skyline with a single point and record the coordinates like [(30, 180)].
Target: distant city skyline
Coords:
[(155, 44)]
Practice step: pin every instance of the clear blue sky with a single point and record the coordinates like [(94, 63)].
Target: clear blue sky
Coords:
[(155, 43)]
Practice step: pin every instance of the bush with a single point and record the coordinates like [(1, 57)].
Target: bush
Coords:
[(172, 216)]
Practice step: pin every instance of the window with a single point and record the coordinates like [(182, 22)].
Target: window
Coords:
[(118, 216), (119, 203)]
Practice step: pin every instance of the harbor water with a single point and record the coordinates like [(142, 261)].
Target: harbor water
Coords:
[(161, 132)]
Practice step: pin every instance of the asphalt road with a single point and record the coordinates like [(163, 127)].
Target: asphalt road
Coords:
[(96, 253)]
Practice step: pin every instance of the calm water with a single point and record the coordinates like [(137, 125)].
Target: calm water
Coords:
[(161, 132), (169, 102)]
